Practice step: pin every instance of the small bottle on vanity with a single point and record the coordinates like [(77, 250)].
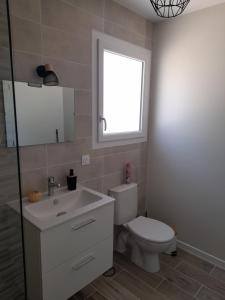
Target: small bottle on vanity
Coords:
[(71, 181)]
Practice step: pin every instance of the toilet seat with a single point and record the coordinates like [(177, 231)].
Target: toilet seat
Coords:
[(151, 230)]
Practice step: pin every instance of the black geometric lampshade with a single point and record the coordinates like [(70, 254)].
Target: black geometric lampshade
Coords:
[(169, 8)]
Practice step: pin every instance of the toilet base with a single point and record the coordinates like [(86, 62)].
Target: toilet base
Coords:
[(145, 260), (143, 255), (151, 262)]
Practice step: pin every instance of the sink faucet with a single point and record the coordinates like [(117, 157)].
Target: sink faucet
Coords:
[(51, 185)]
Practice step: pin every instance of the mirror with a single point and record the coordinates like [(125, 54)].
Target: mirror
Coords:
[(44, 114)]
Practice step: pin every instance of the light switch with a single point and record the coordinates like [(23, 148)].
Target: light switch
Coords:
[(85, 160)]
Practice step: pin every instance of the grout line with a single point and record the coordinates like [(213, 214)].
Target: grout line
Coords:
[(176, 266), (82, 9), (26, 19), (138, 35), (104, 15), (198, 291), (41, 33), (214, 267), (184, 275), (199, 282), (160, 283), (43, 56)]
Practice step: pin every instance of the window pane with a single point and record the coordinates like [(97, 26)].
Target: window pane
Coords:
[(122, 93)]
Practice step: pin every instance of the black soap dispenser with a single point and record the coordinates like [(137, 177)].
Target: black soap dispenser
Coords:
[(71, 181)]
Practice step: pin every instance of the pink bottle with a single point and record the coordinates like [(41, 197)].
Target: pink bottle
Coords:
[(128, 173)]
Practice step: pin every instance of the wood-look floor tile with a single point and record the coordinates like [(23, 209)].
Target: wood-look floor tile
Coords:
[(117, 268), (137, 287), (218, 273), (202, 277), (208, 294), (113, 290), (152, 279), (179, 279), (97, 296), (172, 261), (173, 292), (84, 293), (195, 261)]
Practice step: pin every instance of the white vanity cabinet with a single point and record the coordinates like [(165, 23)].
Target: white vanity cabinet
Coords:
[(64, 258)]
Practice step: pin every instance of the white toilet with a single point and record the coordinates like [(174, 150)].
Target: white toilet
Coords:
[(146, 237)]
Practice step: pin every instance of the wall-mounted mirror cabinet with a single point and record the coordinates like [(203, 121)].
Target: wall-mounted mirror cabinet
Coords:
[(44, 114)]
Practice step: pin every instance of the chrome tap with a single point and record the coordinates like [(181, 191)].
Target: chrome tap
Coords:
[(51, 185)]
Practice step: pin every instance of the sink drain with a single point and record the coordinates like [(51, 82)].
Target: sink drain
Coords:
[(61, 213)]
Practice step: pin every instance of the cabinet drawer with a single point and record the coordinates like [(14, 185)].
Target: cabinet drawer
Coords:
[(62, 242), (67, 279)]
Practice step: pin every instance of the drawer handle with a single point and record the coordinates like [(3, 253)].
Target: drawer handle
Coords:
[(84, 261), (83, 224)]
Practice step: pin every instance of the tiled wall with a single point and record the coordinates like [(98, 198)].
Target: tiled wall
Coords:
[(11, 260), (59, 32)]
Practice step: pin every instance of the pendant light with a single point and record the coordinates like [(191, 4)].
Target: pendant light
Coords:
[(169, 8)]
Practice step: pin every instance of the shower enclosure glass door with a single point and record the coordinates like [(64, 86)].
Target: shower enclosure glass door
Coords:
[(12, 283)]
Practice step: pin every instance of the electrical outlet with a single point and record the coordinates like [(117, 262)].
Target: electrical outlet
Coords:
[(85, 160)]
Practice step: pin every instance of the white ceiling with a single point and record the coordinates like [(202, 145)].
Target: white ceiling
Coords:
[(144, 7)]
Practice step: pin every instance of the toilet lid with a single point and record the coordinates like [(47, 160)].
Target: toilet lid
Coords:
[(151, 230)]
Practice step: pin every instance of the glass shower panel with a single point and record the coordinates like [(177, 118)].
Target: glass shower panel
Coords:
[(11, 246)]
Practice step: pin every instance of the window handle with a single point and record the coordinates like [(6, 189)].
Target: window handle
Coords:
[(102, 119)]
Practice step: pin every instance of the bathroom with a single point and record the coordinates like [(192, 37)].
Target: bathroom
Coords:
[(158, 178)]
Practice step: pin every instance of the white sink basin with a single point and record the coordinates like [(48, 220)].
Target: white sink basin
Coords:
[(64, 205), (58, 206)]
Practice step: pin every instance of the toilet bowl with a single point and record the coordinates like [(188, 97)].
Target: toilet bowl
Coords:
[(146, 237)]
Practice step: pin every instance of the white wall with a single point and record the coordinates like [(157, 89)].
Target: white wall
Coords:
[(186, 168)]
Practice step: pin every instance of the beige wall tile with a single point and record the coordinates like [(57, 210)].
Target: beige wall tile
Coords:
[(61, 172), (89, 172), (8, 162), (83, 103), (5, 72), (66, 152), (116, 162), (26, 35), (59, 44), (95, 184), (71, 74), (33, 157), (66, 27), (9, 188), (124, 17), (4, 39), (112, 180), (25, 67), (113, 163), (83, 126), (123, 33), (95, 7), (70, 19), (35, 180), (119, 149), (27, 9)]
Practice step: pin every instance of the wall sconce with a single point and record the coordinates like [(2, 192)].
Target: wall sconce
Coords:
[(49, 77)]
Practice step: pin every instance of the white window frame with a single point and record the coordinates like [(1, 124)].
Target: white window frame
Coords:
[(101, 42)]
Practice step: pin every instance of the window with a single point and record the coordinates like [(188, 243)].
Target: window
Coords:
[(120, 79)]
